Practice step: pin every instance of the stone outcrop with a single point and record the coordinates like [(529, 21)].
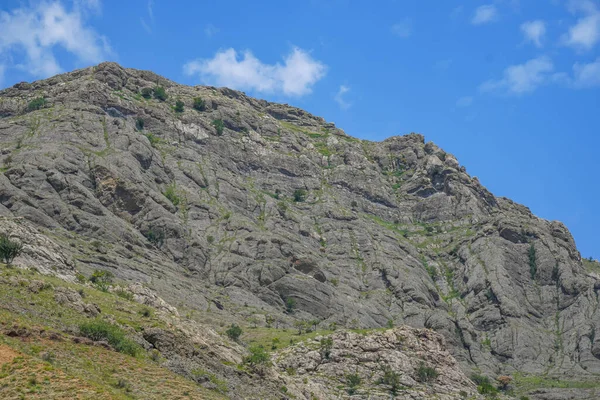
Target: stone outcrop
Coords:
[(316, 369)]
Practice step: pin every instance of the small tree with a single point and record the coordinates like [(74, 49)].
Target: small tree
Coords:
[(391, 379), (179, 106), (219, 126), (532, 261), (160, 93), (353, 381), (290, 305), (299, 195), (139, 124), (147, 92), (484, 384), (102, 279), (325, 347), (426, 374), (234, 332), (302, 326), (199, 104), (36, 104), (258, 359), (9, 249)]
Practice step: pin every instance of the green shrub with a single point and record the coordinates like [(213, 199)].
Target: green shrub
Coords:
[(353, 381), (80, 277), (179, 106), (532, 261), (147, 92), (102, 279), (36, 104), (219, 126), (484, 384), (139, 124), (258, 358), (290, 305), (199, 104), (299, 195), (157, 237), (98, 330), (171, 194), (426, 374), (234, 332), (325, 346), (392, 379), (124, 294), (154, 140), (160, 93), (146, 312), (9, 249)]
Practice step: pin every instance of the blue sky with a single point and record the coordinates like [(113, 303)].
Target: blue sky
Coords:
[(512, 88)]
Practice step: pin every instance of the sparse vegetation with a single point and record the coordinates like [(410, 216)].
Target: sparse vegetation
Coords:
[(123, 293), (484, 384), (160, 93), (392, 379), (179, 105), (171, 194), (219, 126), (156, 237), (99, 330), (9, 249), (426, 374), (36, 104), (199, 104), (102, 279), (154, 140), (299, 195), (234, 332), (258, 358), (325, 346), (139, 124), (147, 92), (532, 261), (352, 381), (290, 305)]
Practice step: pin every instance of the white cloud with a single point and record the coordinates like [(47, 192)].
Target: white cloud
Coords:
[(403, 28), (465, 101), (586, 75), (339, 97), (484, 14), (210, 30), (37, 31), (522, 78), (586, 32), (150, 10), (295, 77), (534, 31)]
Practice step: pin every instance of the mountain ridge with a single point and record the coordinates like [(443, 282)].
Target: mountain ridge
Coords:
[(278, 204)]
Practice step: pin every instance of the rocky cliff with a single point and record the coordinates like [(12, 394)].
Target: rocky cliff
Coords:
[(245, 210)]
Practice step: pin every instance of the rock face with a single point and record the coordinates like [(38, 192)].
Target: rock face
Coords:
[(280, 205), (315, 369)]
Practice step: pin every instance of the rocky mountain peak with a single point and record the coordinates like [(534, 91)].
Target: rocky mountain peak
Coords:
[(251, 211)]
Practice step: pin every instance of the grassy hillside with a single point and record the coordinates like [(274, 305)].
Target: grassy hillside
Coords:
[(43, 357)]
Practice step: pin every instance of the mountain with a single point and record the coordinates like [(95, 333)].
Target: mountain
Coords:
[(238, 210)]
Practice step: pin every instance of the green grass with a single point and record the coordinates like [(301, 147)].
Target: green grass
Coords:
[(63, 369), (591, 266), (284, 337), (524, 383)]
